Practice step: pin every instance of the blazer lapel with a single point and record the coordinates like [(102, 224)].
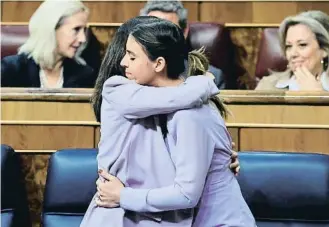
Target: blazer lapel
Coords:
[(74, 74), (33, 72)]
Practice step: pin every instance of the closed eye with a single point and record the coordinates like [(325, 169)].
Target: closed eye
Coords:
[(78, 29)]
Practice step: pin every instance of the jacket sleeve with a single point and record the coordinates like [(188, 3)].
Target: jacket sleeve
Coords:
[(134, 101)]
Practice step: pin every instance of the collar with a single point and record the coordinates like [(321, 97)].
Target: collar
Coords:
[(286, 81), (325, 81)]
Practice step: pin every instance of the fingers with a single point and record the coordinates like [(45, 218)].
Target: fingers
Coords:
[(105, 204), (299, 74), (308, 74), (237, 171), (234, 165), (100, 202), (234, 154), (303, 73), (99, 190), (233, 145), (101, 187), (98, 182), (105, 175)]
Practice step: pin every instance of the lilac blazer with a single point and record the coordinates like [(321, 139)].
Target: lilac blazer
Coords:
[(200, 148), (132, 146)]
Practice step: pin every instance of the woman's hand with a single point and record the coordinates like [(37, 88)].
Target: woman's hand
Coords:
[(108, 190), (235, 164), (306, 80)]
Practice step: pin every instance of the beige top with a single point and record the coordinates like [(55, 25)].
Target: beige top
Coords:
[(283, 81)]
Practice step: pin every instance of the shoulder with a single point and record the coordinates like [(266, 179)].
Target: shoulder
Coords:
[(117, 80), (194, 116), (270, 81), (18, 71), (15, 60), (114, 83), (16, 64)]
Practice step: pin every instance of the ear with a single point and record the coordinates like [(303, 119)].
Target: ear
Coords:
[(159, 64), (324, 54)]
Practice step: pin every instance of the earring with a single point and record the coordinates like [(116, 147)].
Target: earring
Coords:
[(322, 61)]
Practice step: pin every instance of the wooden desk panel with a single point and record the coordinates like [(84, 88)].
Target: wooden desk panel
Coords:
[(47, 137), (66, 114), (46, 111), (282, 139), (38, 122), (278, 114)]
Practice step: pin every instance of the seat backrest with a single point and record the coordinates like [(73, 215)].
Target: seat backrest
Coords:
[(12, 37), (286, 189), (270, 55), (14, 206), (218, 44), (70, 186)]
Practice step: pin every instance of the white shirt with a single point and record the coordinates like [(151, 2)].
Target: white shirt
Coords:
[(44, 81)]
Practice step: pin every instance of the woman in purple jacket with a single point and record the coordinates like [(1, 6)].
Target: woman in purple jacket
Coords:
[(134, 150)]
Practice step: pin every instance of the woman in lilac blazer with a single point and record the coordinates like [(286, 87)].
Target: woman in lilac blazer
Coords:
[(131, 148), (197, 139), (130, 164)]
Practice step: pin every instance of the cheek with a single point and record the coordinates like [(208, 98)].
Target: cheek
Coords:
[(65, 39), (62, 43), (143, 75), (313, 58)]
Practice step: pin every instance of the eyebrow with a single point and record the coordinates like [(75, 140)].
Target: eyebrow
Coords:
[(299, 41), (131, 53)]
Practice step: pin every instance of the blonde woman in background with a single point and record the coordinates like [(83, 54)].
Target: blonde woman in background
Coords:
[(305, 42), (50, 57)]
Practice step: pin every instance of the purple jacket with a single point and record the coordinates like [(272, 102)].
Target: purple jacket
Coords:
[(132, 146), (200, 148)]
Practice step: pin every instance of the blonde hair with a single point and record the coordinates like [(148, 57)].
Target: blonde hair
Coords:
[(50, 15), (198, 64), (317, 22)]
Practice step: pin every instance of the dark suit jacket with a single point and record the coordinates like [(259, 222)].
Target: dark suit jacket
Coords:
[(21, 71), (218, 74)]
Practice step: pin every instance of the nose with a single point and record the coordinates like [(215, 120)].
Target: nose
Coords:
[(293, 52), (123, 62), (82, 36)]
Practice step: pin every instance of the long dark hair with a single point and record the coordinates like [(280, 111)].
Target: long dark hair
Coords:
[(111, 63)]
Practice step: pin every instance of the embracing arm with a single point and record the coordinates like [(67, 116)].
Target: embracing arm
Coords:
[(133, 101), (192, 165)]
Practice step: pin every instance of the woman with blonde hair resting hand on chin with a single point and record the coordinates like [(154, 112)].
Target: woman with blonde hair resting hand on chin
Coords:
[(305, 41)]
